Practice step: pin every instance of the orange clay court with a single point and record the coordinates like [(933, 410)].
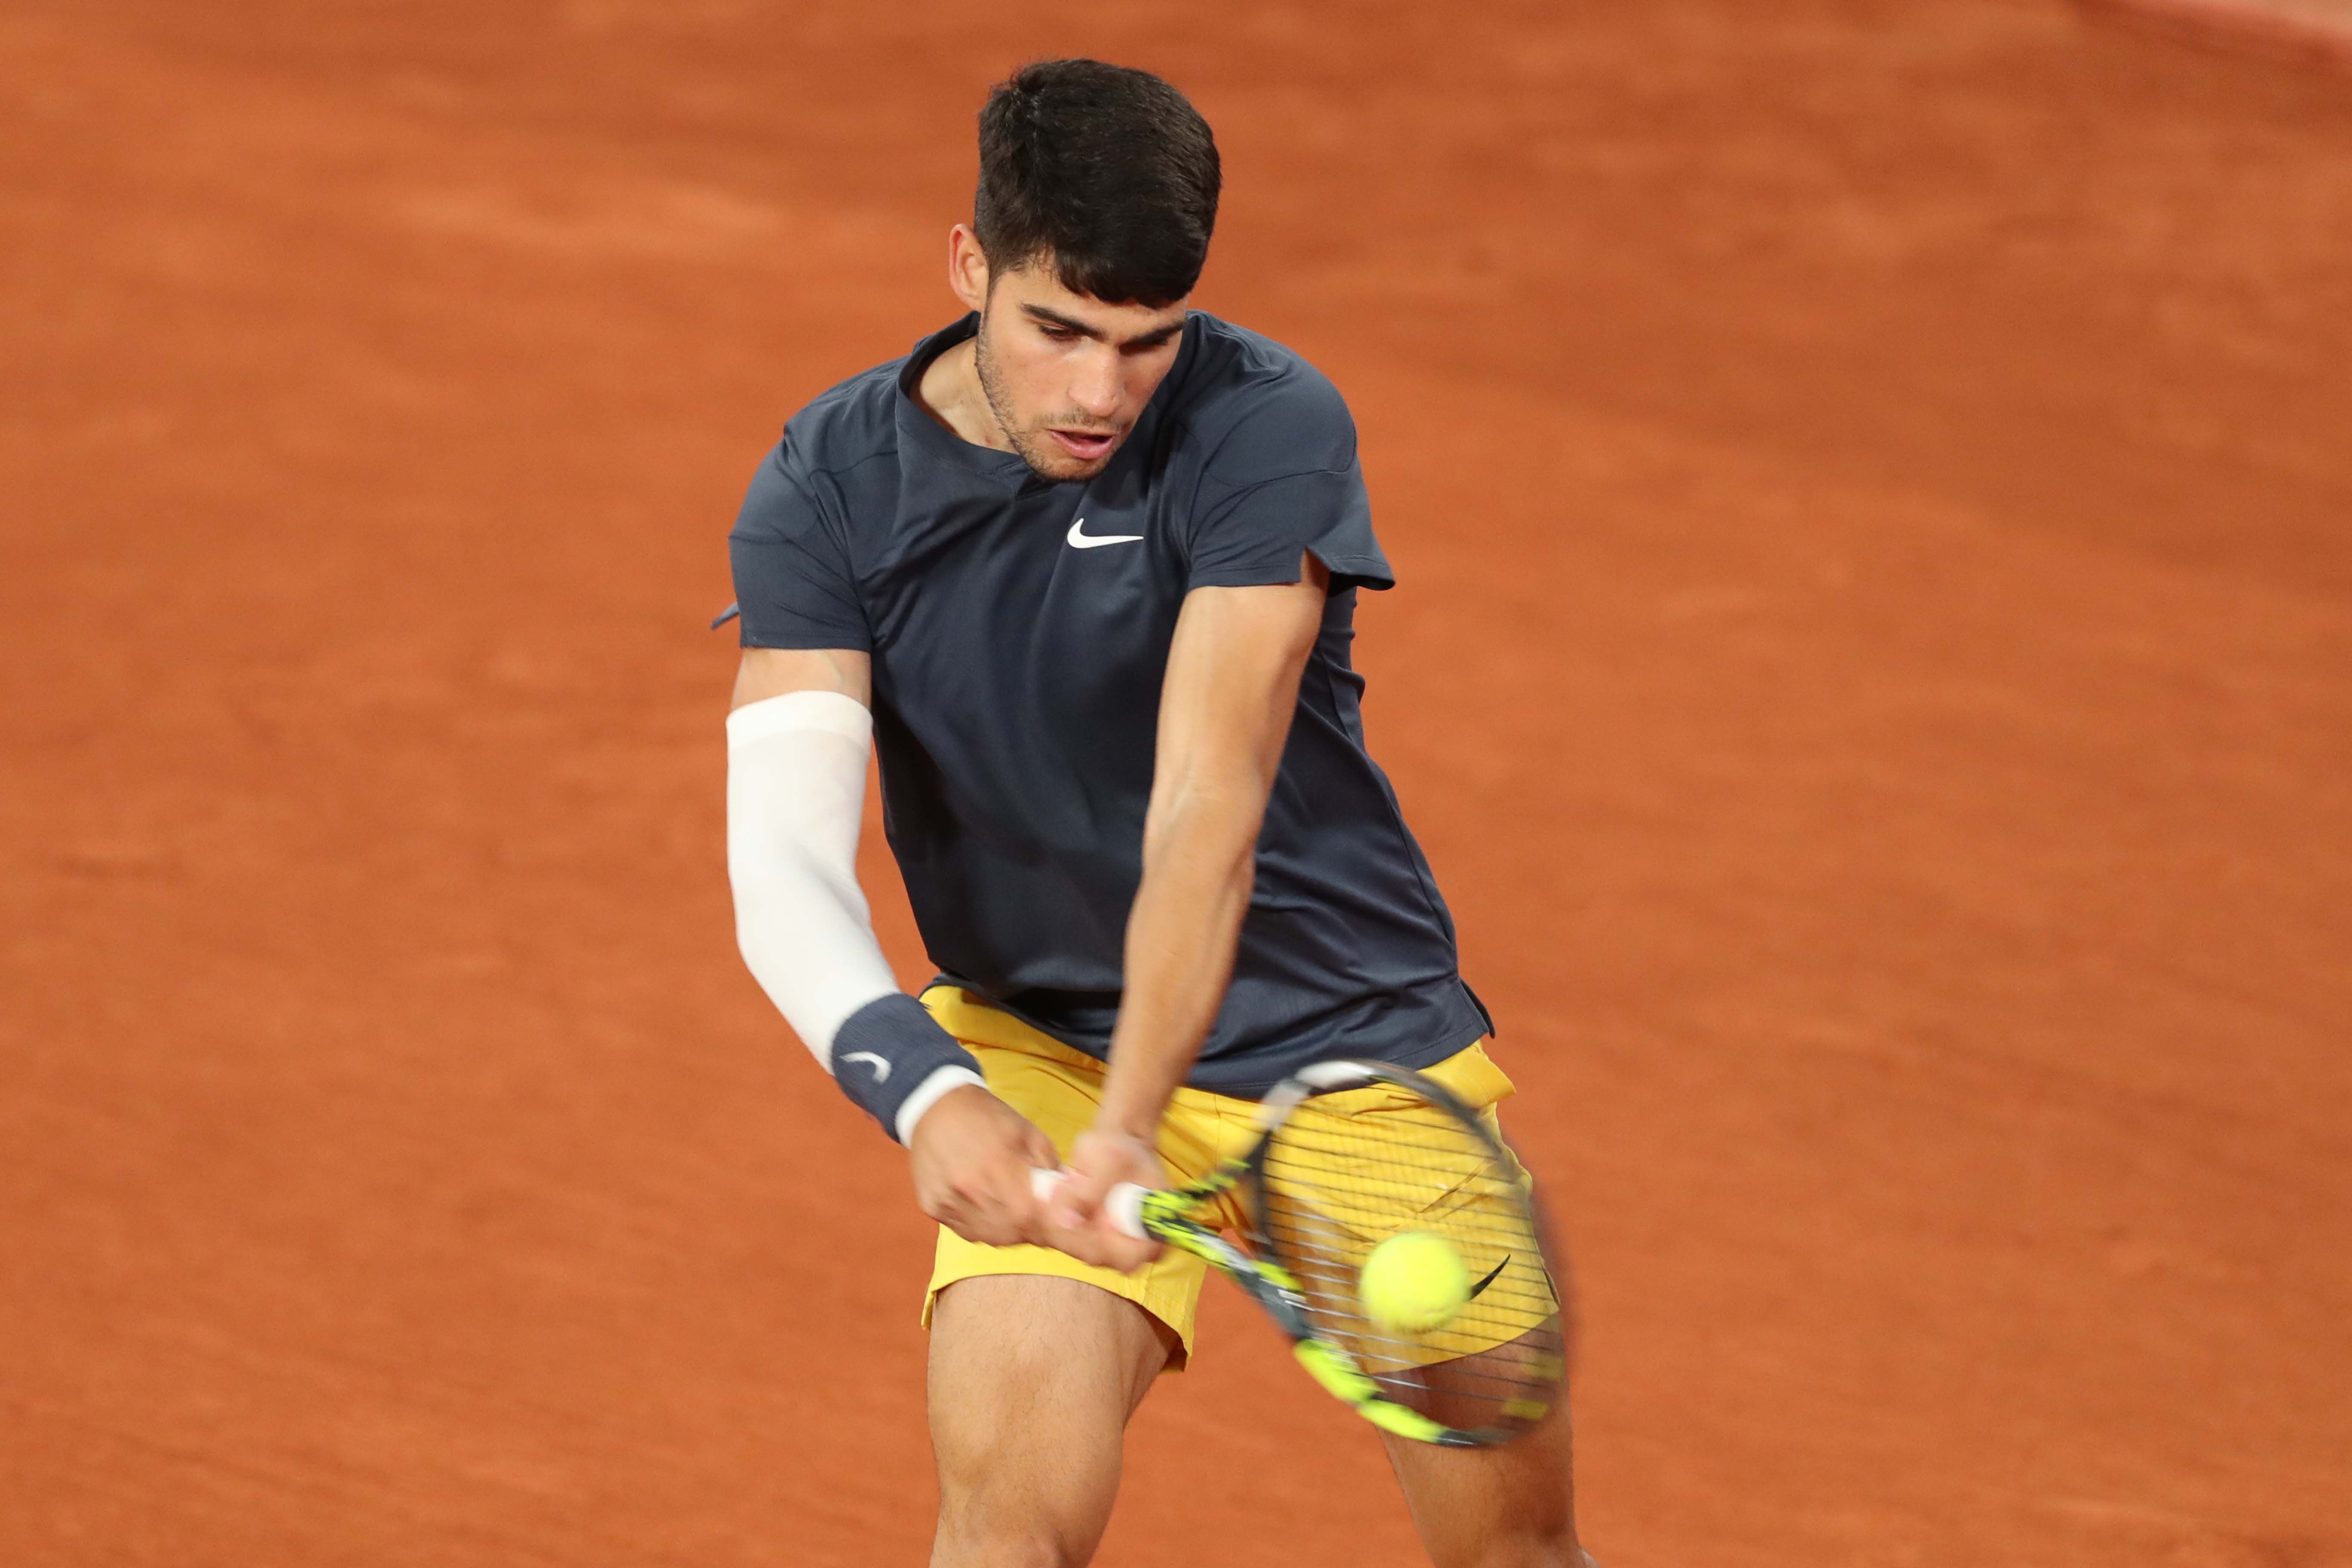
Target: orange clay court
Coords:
[(1901, 813)]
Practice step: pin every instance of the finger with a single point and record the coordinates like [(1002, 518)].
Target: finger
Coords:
[(1087, 1186), (1044, 1186), (996, 1205), (1126, 1252), (1093, 1247), (1013, 1201), (968, 1222), (1090, 1241), (1000, 1210), (1025, 1198), (985, 1233), (1080, 1200), (1057, 1206), (1076, 1237), (1025, 1211), (1087, 1247)]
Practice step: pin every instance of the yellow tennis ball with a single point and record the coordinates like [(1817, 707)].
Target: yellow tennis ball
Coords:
[(1413, 1283)]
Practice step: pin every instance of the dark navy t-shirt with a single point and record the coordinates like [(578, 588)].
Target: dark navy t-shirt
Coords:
[(1020, 629)]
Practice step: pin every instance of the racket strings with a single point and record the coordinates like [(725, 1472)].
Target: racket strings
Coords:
[(1334, 1184)]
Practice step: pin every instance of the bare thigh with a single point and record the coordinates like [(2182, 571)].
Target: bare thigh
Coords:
[(1033, 1378), (1509, 1506)]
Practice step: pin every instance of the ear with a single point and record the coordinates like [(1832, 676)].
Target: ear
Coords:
[(967, 268)]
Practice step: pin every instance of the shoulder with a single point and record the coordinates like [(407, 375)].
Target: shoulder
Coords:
[(1255, 409), (847, 424), (839, 432)]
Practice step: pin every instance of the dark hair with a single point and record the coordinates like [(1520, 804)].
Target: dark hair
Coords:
[(1109, 171)]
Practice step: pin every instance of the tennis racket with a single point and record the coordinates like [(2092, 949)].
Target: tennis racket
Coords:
[(1349, 1154)]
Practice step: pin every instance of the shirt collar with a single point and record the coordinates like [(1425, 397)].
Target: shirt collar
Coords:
[(917, 423)]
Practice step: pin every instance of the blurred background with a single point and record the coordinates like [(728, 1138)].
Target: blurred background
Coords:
[(1873, 670)]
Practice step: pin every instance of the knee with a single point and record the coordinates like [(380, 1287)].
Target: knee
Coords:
[(1005, 1543), (993, 1527), (1520, 1544), (1524, 1551), (1543, 1548)]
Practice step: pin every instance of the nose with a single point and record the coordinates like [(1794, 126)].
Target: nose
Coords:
[(1096, 390)]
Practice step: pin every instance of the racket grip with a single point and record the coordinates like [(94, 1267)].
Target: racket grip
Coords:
[(1123, 1202)]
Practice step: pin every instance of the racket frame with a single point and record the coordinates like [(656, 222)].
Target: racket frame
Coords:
[(1166, 1216)]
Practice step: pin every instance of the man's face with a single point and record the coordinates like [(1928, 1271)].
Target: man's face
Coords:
[(1067, 375)]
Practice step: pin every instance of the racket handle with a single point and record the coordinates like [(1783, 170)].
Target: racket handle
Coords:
[(1123, 1202)]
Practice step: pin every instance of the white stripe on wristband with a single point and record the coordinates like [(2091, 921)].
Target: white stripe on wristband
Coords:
[(928, 1094), (890, 1051)]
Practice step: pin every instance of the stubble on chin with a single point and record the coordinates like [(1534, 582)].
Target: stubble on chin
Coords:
[(1048, 462), (1035, 447), (1046, 459)]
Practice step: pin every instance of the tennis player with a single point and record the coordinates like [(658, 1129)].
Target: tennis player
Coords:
[(1082, 568)]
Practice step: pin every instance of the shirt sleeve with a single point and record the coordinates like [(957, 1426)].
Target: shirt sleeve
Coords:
[(1283, 483), (793, 576)]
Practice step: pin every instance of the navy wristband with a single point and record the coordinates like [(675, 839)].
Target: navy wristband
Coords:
[(884, 1052)]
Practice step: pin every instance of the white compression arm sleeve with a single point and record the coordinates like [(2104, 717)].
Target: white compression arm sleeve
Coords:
[(796, 793)]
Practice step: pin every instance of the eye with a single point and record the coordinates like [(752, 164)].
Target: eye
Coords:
[(1059, 334)]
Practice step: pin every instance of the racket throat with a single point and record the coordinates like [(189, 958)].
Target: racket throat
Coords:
[(1339, 1376)]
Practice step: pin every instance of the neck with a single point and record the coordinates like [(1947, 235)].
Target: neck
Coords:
[(950, 391)]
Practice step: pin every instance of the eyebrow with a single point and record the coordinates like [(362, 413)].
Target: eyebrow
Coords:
[(1070, 323)]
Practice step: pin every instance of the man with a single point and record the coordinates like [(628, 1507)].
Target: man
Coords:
[(1083, 568)]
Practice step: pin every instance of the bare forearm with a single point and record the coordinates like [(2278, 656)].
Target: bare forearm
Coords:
[(1198, 867), (1233, 684)]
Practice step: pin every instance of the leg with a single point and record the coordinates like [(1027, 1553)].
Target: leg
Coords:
[(1510, 1506), (1032, 1380)]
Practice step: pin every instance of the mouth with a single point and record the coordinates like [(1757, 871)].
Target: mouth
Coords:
[(1085, 446)]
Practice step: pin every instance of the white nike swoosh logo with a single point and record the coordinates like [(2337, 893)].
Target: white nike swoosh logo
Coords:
[(1081, 540), (881, 1067)]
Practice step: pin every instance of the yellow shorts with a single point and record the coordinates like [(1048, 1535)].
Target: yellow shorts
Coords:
[(1059, 1089)]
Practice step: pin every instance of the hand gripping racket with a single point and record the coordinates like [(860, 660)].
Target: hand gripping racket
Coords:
[(1348, 1155)]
